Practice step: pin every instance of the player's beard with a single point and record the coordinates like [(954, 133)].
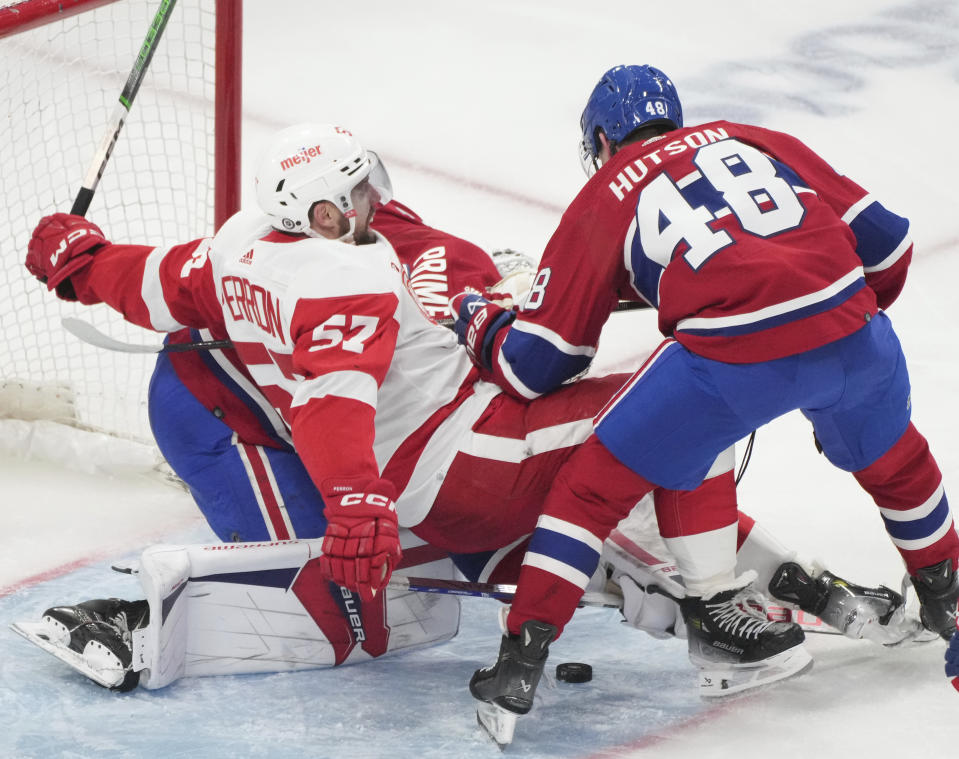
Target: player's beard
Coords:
[(367, 236)]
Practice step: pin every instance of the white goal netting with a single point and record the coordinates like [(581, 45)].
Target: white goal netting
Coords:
[(59, 84)]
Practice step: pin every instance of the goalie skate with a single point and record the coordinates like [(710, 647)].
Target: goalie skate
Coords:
[(877, 614), (94, 638)]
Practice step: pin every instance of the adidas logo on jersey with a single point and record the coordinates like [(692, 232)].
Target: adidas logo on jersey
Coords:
[(247, 257)]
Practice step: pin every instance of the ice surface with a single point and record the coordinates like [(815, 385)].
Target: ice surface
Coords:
[(475, 108)]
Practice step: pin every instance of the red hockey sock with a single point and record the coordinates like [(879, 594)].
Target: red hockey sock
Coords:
[(590, 496), (906, 484)]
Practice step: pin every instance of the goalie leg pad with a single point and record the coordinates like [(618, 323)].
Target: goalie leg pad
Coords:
[(244, 608), (650, 611), (650, 585)]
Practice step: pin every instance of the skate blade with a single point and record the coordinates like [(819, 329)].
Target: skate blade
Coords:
[(920, 636), (39, 634), (498, 723), (717, 680), (894, 633)]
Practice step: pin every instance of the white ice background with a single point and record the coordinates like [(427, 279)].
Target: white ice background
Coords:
[(475, 108)]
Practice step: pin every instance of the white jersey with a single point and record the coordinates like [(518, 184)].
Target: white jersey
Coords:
[(337, 344)]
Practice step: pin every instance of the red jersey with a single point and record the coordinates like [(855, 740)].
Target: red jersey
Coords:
[(750, 246)]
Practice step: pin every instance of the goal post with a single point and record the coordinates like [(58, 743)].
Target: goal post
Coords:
[(174, 176)]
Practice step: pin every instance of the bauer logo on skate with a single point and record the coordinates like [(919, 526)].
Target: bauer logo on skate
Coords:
[(252, 303), (305, 155)]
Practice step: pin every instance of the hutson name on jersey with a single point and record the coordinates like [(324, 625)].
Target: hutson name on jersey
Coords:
[(634, 173)]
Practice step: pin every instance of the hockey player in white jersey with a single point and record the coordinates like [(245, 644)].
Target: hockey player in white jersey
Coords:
[(317, 308)]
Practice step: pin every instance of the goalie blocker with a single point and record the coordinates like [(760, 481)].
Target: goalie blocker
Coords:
[(240, 608)]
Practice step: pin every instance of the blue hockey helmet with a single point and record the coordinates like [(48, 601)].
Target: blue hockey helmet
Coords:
[(626, 98)]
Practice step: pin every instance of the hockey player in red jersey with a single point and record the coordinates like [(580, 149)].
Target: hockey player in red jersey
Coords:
[(770, 272), (330, 338)]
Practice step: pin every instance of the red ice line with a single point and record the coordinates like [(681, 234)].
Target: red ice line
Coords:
[(52, 574)]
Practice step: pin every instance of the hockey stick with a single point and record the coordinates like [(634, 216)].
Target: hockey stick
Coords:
[(807, 622), (90, 334), (82, 202), (488, 590), (623, 305)]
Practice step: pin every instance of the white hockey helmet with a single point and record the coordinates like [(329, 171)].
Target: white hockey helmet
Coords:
[(307, 163)]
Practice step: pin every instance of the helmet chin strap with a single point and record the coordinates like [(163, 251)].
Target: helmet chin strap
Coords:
[(351, 218)]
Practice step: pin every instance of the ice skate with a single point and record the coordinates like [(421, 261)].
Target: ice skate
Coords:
[(877, 614), (507, 688), (733, 643), (93, 637), (938, 590)]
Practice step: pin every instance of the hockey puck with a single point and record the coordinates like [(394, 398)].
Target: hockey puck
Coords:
[(574, 672)]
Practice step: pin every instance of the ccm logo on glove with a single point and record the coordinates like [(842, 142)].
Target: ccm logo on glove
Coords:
[(62, 244), (371, 499), (75, 235), (361, 547)]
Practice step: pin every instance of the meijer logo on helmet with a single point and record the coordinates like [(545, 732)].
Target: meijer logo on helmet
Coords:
[(304, 155)]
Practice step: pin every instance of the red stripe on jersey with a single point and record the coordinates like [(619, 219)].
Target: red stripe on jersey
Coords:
[(515, 419), (236, 410), (284, 362), (787, 339), (399, 468), (251, 353)]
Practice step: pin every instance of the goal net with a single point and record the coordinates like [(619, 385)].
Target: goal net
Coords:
[(172, 177)]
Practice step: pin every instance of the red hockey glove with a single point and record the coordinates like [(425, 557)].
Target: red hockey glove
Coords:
[(477, 322), (362, 545), (61, 245)]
